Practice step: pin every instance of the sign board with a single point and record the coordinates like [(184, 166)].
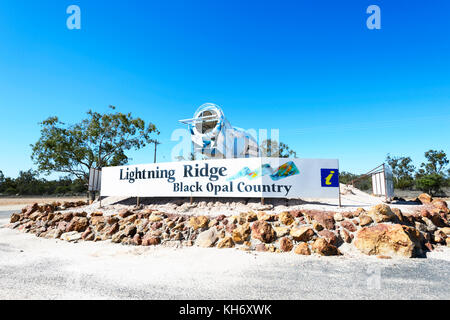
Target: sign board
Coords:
[(95, 176), (240, 177)]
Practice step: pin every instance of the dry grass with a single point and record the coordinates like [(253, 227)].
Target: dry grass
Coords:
[(13, 201)]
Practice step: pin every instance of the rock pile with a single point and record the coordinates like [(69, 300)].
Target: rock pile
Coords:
[(380, 231)]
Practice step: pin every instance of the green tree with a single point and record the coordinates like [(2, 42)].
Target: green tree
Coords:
[(403, 171), (430, 183), (272, 148), (99, 140), (430, 177), (437, 162)]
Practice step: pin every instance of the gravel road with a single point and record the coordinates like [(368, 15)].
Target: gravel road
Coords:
[(35, 268)]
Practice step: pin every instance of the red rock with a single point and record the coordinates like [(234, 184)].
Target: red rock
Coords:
[(230, 227), (346, 236), (302, 233), (286, 244), (137, 240), (156, 225), (78, 224), (112, 220), (440, 204), (348, 214), (324, 248), (125, 213), (62, 225), (263, 231), (296, 213), (330, 237), (88, 235), (130, 230), (348, 225), (324, 218), (67, 216), (30, 209), (150, 240), (14, 218), (113, 229)]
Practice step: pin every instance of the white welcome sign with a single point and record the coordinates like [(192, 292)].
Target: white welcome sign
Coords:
[(240, 177)]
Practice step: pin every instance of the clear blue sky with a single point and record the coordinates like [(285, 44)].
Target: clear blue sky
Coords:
[(310, 68)]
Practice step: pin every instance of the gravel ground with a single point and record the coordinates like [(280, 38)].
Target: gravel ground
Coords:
[(35, 268)]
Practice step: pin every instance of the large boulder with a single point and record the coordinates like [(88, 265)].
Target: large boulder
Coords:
[(389, 240), (263, 231), (381, 213), (207, 238), (425, 198)]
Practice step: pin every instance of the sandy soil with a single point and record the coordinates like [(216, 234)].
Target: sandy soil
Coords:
[(12, 203)]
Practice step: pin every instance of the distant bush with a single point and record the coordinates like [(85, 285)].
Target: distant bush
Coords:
[(362, 184), (29, 183), (430, 183)]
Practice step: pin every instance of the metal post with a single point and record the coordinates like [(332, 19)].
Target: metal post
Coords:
[(385, 184), (340, 203)]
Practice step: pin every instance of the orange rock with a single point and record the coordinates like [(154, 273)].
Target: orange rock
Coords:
[(425, 198), (286, 218), (391, 240), (324, 248), (303, 249)]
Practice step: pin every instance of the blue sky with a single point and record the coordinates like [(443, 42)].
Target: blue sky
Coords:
[(312, 69)]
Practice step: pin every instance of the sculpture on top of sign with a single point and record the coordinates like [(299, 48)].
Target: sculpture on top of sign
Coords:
[(213, 136)]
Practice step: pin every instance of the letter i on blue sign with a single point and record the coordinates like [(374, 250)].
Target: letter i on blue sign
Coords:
[(329, 177)]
